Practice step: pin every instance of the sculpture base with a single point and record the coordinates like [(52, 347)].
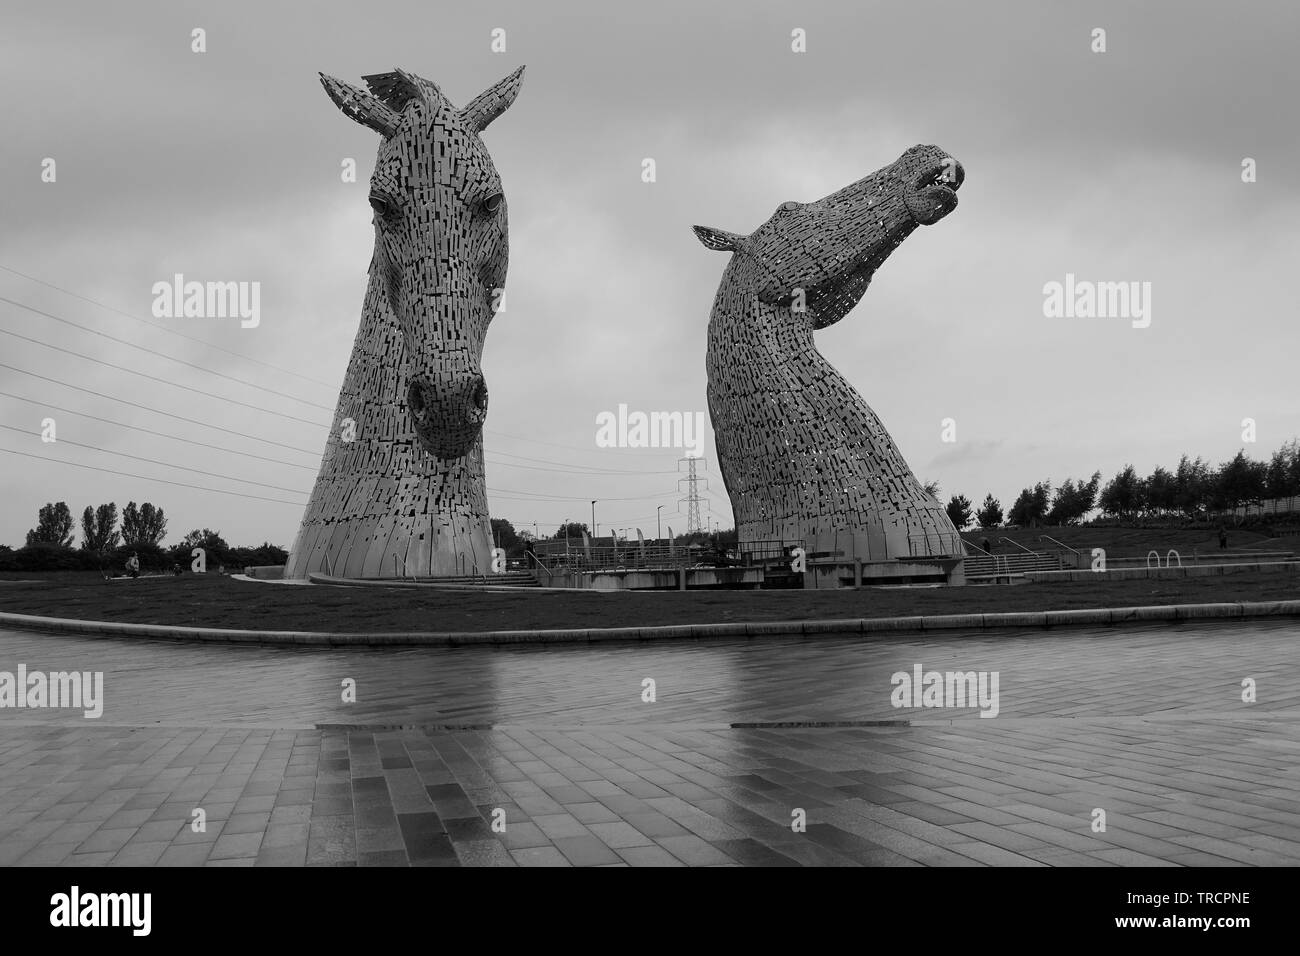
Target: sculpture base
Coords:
[(408, 546), (841, 573)]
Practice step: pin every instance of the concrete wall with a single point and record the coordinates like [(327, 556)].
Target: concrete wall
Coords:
[(839, 574), (1188, 571), (659, 579)]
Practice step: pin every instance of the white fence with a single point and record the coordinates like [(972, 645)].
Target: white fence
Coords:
[(1274, 506)]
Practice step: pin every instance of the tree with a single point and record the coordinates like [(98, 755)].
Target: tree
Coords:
[(210, 541), (1162, 491), (932, 489), (1062, 503), (990, 514), (959, 511), (1124, 495), (1192, 482), (1283, 477), (571, 529), (263, 555), (53, 526), (1073, 500), (1257, 483), (1295, 469), (1021, 514), (727, 539), (504, 534), (1030, 508), (98, 526), (1042, 498), (1239, 482), (144, 526)]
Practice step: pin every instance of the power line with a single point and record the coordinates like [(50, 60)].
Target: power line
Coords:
[(179, 484), (171, 358), (716, 497), (507, 493), (156, 411), (56, 318), (539, 496), (571, 471), (154, 378), (278, 461), (169, 331), (149, 431), (586, 471), (155, 461), (538, 441)]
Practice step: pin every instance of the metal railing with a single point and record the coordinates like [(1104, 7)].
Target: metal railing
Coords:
[(550, 576), (947, 545), (1059, 544), (632, 557), (1020, 546), (767, 552), (999, 566), (1171, 553)]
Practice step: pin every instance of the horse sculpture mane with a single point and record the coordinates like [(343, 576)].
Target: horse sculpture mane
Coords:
[(804, 458), (401, 488)]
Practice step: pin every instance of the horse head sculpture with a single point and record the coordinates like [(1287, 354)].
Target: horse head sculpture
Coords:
[(441, 245), (401, 488), (802, 455)]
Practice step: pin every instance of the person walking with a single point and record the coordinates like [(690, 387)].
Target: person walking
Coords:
[(1223, 538), (133, 565)]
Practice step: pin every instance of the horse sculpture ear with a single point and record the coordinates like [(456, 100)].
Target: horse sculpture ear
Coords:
[(360, 106), (492, 102), (718, 240)]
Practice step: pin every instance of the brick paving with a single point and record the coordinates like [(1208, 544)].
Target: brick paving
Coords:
[(443, 744)]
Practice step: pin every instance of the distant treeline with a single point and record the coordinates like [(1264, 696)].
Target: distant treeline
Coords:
[(106, 546), (1192, 491)]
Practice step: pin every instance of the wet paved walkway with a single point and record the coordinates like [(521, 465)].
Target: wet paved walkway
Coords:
[(557, 742)]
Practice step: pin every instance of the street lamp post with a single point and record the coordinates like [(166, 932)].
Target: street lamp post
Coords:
[(659, 528), (593, 518)]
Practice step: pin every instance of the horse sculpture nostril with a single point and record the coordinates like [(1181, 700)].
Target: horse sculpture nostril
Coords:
[(481, 394), (415, 398)]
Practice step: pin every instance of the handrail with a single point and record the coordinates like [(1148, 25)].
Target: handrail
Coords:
[(971, 544), (549, 575), (941, 550), (1168, 563), (1020, 546), (1061, 543)]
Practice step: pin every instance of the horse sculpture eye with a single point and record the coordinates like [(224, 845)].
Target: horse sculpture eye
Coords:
[(382, 207), (493, 202), (789, 206)]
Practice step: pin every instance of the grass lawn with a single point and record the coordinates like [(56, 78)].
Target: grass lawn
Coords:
[(216, 601), (1133, 542)]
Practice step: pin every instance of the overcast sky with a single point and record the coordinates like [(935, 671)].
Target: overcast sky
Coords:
[(225, 165)]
